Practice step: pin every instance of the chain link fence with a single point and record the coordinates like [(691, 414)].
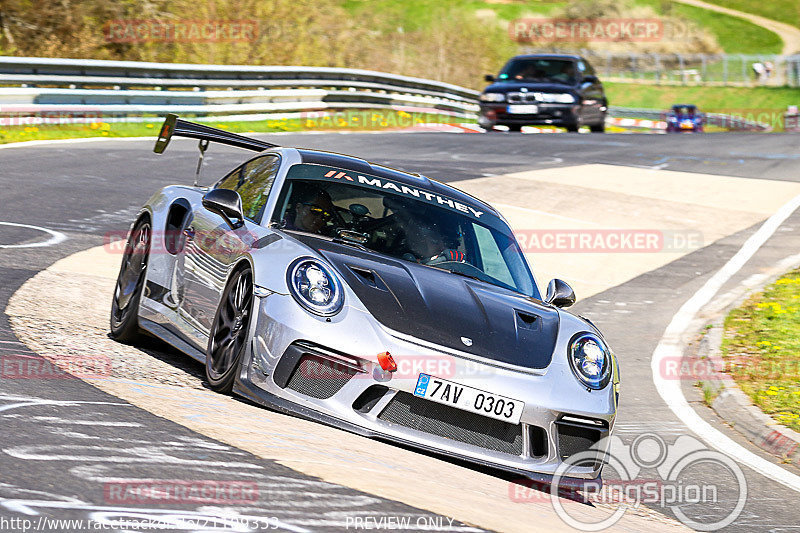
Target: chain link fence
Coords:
[(695, 69)]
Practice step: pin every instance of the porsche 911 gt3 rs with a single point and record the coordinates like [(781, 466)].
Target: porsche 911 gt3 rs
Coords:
[(374, 300)]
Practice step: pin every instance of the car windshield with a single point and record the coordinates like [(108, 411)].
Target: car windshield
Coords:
[(684, 110), (554, 70), (404, 222)]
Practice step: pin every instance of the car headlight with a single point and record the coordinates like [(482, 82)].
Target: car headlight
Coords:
[(590, 360), (315, 286), (492, 97), (557, 98)]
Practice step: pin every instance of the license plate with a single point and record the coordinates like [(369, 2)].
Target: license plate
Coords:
[(687, 126), (522, 109), (469, 398)]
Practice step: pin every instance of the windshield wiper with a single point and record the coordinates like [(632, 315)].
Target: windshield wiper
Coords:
[(339, 240), (457, 273)]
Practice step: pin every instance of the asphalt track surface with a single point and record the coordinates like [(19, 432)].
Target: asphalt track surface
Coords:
[(62, 439)]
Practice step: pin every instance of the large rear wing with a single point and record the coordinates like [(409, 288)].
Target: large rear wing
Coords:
[(183, 128)]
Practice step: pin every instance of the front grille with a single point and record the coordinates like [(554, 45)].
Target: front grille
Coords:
[(443, 421), (319, 378), (523, 98)]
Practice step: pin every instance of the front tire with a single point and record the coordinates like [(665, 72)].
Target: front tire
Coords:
[(599, 128), (130, 285), (228, 339), (515, 127)]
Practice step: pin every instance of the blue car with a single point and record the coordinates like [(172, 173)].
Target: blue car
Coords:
[(685, 118)]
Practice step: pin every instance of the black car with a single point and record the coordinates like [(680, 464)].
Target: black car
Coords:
[(544, 89)]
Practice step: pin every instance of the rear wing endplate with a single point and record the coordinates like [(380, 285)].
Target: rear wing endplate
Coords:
[(183, 128)]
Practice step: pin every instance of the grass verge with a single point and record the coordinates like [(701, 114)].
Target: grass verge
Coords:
[(761, 347), (734, 35), (762, 104), (787, 11)]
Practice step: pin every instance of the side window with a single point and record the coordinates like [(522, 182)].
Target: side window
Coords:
[(253, 181), (231, 181)]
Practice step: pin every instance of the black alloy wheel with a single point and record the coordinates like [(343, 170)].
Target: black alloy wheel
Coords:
[(130, 285), (229, 332)]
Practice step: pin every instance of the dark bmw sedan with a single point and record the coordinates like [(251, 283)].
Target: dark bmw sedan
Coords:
[(544, 89)]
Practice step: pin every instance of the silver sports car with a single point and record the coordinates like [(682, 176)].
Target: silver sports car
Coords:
[(374, 300)]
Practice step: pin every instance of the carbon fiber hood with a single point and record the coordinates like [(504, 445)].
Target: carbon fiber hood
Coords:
[(441, 308)]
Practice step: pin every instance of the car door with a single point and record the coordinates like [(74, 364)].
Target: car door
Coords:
[(212, 245)]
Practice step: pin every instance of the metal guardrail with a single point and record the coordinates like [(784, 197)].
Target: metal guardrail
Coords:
[(36, 86), (715, 119), (129, 87)]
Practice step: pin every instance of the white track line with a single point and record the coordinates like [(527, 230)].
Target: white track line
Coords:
[(671, 346), (55, 236), (23, 144)]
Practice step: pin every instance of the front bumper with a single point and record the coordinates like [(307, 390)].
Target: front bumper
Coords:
[(328, 371), (548, 114)]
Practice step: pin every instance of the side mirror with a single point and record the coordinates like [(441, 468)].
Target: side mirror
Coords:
[(227, 204), (489, 78), (559, 294), (590, 79)]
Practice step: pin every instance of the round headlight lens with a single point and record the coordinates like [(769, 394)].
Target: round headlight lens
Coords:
[(315, 286), (590, 360)]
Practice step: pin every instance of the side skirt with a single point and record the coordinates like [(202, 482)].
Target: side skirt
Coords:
[(172, 339)]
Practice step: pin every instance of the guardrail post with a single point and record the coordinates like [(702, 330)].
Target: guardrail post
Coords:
[(744, 69), (725, 70), (703, 68)]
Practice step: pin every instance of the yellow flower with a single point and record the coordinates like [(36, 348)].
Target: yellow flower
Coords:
[(105, 133), (772, 393), (94, 125), (105, 126), (149, 126)]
